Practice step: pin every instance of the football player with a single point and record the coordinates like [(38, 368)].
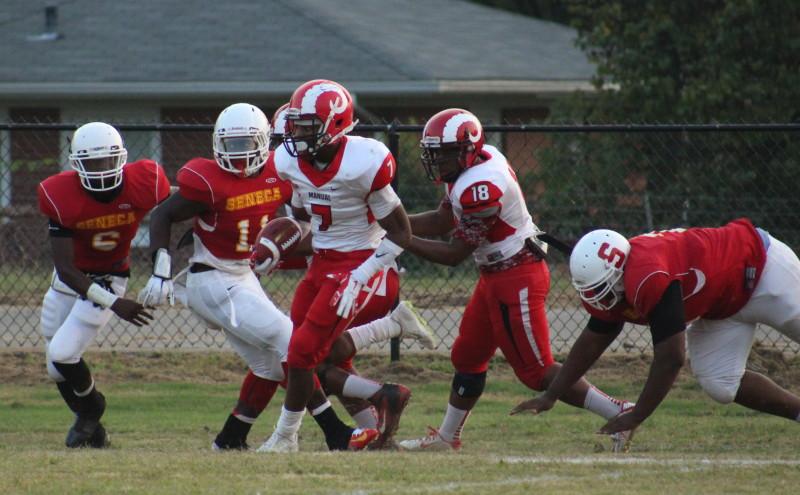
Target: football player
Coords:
[(485, 209), (94, 211), (231, 197), (278, 127), (342, 187), (706, 287)]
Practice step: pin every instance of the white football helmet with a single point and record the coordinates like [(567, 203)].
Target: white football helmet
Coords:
[(596, 265), (241, 139), (97, 153)]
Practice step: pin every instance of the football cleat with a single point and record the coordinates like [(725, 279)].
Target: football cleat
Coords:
[(280, 444), (621, 441), (433, 441), (83, 432), (362, 437), (219, 445), (100, 438), (389, 401), (413, 325)]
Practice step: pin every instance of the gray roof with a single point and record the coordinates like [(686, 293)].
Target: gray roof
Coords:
[(180, 46)]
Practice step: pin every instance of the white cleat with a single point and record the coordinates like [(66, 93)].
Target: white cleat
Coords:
[(280, 444), (621, 441), (432, 442), (413, 325)]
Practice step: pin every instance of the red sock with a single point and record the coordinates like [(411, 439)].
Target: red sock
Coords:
[(254, 396)]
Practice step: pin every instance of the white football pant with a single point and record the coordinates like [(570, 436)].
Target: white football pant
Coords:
[(256, 329), (69, 324)]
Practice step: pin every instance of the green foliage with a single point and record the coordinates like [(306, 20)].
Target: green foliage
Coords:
[(686, 62)]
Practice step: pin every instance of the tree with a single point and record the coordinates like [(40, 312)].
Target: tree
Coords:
[(682, 61)]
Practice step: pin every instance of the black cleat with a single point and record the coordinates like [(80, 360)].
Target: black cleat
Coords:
[(221, 444), (99, 439), (83, 431)]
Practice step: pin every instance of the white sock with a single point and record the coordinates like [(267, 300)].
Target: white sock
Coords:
[(359, 387), (366, 418), (453, 423), (798, 418), (373, 332), (603, 405), (289, 422)]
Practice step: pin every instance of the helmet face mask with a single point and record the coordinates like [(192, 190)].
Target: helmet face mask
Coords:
[(98, 155), (319, 114), (305, 137), (597, 266), (241, 140), (443, 164), (451, 142)]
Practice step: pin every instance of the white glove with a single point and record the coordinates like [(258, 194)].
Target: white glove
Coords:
[(347, 301), (269, 263), (383, 257), (159, 289)]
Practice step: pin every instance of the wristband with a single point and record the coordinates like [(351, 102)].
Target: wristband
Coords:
[(100, 296)]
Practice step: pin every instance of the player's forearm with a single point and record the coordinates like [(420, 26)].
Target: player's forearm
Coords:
[(160, 229), (429, 224), (667, 363), (584, 353), (443, 253), (397, 227)]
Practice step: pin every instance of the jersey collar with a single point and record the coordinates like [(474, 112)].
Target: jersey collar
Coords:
[(321, 177)]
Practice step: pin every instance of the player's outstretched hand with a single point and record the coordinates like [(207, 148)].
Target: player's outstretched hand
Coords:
[(131, 311), (624, 421), (536, 405)]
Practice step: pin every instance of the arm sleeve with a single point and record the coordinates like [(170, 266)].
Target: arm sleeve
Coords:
[(55, 229), (162, 184), (383, 201), (605, 327), (668, 316), (47, 206), (194, 187), (480, 203)]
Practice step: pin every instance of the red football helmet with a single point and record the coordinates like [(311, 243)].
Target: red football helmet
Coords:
[(278, 128), (452, 139), (320, 112)]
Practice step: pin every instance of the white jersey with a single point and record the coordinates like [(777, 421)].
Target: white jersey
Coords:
[(336, 198), (487, 187)]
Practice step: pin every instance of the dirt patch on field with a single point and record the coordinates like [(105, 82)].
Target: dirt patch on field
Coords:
[(27, 368)]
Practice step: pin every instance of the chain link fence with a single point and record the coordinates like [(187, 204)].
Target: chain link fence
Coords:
[(632, 178)]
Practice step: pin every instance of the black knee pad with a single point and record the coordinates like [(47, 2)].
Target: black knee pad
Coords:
[(469, 384)]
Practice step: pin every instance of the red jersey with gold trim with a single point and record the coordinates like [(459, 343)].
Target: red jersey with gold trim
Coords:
[(102, 232), (717, 268), (238, 206)]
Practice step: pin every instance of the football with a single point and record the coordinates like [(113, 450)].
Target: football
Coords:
[(279, 237)]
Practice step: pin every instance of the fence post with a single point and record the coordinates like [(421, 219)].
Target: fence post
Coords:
[(394, 148)]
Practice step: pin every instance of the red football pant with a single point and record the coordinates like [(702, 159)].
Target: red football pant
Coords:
[(507, 310), (316, 324)]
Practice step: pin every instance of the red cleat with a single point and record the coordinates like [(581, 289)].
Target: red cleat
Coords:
[(361, 437)]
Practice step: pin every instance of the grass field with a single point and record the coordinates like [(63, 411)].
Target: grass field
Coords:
[(164, 410)]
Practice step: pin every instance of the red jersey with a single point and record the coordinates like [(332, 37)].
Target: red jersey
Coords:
[(716, 267), (238, 206), (102, 232)]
